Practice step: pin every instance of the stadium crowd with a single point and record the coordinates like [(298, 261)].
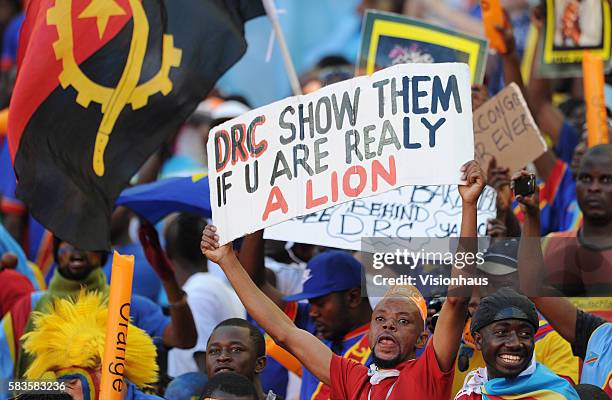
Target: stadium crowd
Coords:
[(264, 319)]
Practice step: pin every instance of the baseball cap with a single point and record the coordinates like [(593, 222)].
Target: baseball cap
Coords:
[(228, 110), (331, 271), (186, 386), (500, 258)]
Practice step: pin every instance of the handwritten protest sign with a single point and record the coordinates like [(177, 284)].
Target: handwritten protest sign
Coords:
[(390, 39), (505, 129), (411, 211), (570, 28), (410, 124)]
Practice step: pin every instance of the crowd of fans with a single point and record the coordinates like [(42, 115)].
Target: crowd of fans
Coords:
[(265, 319)]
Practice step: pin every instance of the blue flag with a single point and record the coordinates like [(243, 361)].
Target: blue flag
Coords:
[(154, 201)]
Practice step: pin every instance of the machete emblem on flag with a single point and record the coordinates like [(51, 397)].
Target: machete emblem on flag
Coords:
[(112, 100)]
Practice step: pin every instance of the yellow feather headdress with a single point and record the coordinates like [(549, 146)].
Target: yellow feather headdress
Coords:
[(71, 334)]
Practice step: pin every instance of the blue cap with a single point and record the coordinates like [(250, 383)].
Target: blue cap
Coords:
[(331, 271), (186, 386), (501, 258)]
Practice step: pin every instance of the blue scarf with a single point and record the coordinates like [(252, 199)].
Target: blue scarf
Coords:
[(538, 385)]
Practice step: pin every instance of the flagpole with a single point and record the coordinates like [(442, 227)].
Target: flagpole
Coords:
[(291, 73)]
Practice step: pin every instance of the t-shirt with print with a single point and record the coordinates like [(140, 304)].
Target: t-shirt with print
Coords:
[(586, 324), (559, 210), (569, 138), (418, 379), (592, 344)]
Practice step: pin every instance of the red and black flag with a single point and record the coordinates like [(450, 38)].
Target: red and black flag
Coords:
[(100, 85)]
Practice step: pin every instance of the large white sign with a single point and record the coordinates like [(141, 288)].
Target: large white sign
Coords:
[(409, 124), (407, 212)]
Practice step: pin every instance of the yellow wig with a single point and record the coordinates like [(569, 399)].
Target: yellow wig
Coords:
[(71, 334)]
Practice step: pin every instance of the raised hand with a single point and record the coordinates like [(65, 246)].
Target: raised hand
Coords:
[(496, 228), (479, 96), (538, 15), (499, 179), (153, 251), (529, 204), (475, 182), (210, 246), (507, 34)]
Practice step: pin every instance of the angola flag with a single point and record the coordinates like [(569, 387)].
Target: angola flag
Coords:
[(100, 85)]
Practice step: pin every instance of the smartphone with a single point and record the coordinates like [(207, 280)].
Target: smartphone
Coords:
[(524, 185)]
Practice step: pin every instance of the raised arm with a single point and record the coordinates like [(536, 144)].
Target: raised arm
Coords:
[(252, 259), (559, 312), (181, 332), (449, 328), (311, 352), (510, 60), (505, 223), (548, 117)]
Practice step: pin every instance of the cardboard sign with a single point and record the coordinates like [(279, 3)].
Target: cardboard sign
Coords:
[(407, 212), (571, 27), (505, 129), (390, 39), (410, 124)]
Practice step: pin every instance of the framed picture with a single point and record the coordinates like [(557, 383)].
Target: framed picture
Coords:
[(388, 39), (571, 27)]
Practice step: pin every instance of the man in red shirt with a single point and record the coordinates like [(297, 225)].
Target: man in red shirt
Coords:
[(396, 329)]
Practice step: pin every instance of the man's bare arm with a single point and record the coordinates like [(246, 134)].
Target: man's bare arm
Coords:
[(548, 117), (181, 332), (557, 310), (449, 328), (311, 352)]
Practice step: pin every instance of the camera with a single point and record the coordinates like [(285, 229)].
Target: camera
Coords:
[(524, 185)]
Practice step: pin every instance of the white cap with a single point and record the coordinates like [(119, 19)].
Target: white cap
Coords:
[(229, 109)]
